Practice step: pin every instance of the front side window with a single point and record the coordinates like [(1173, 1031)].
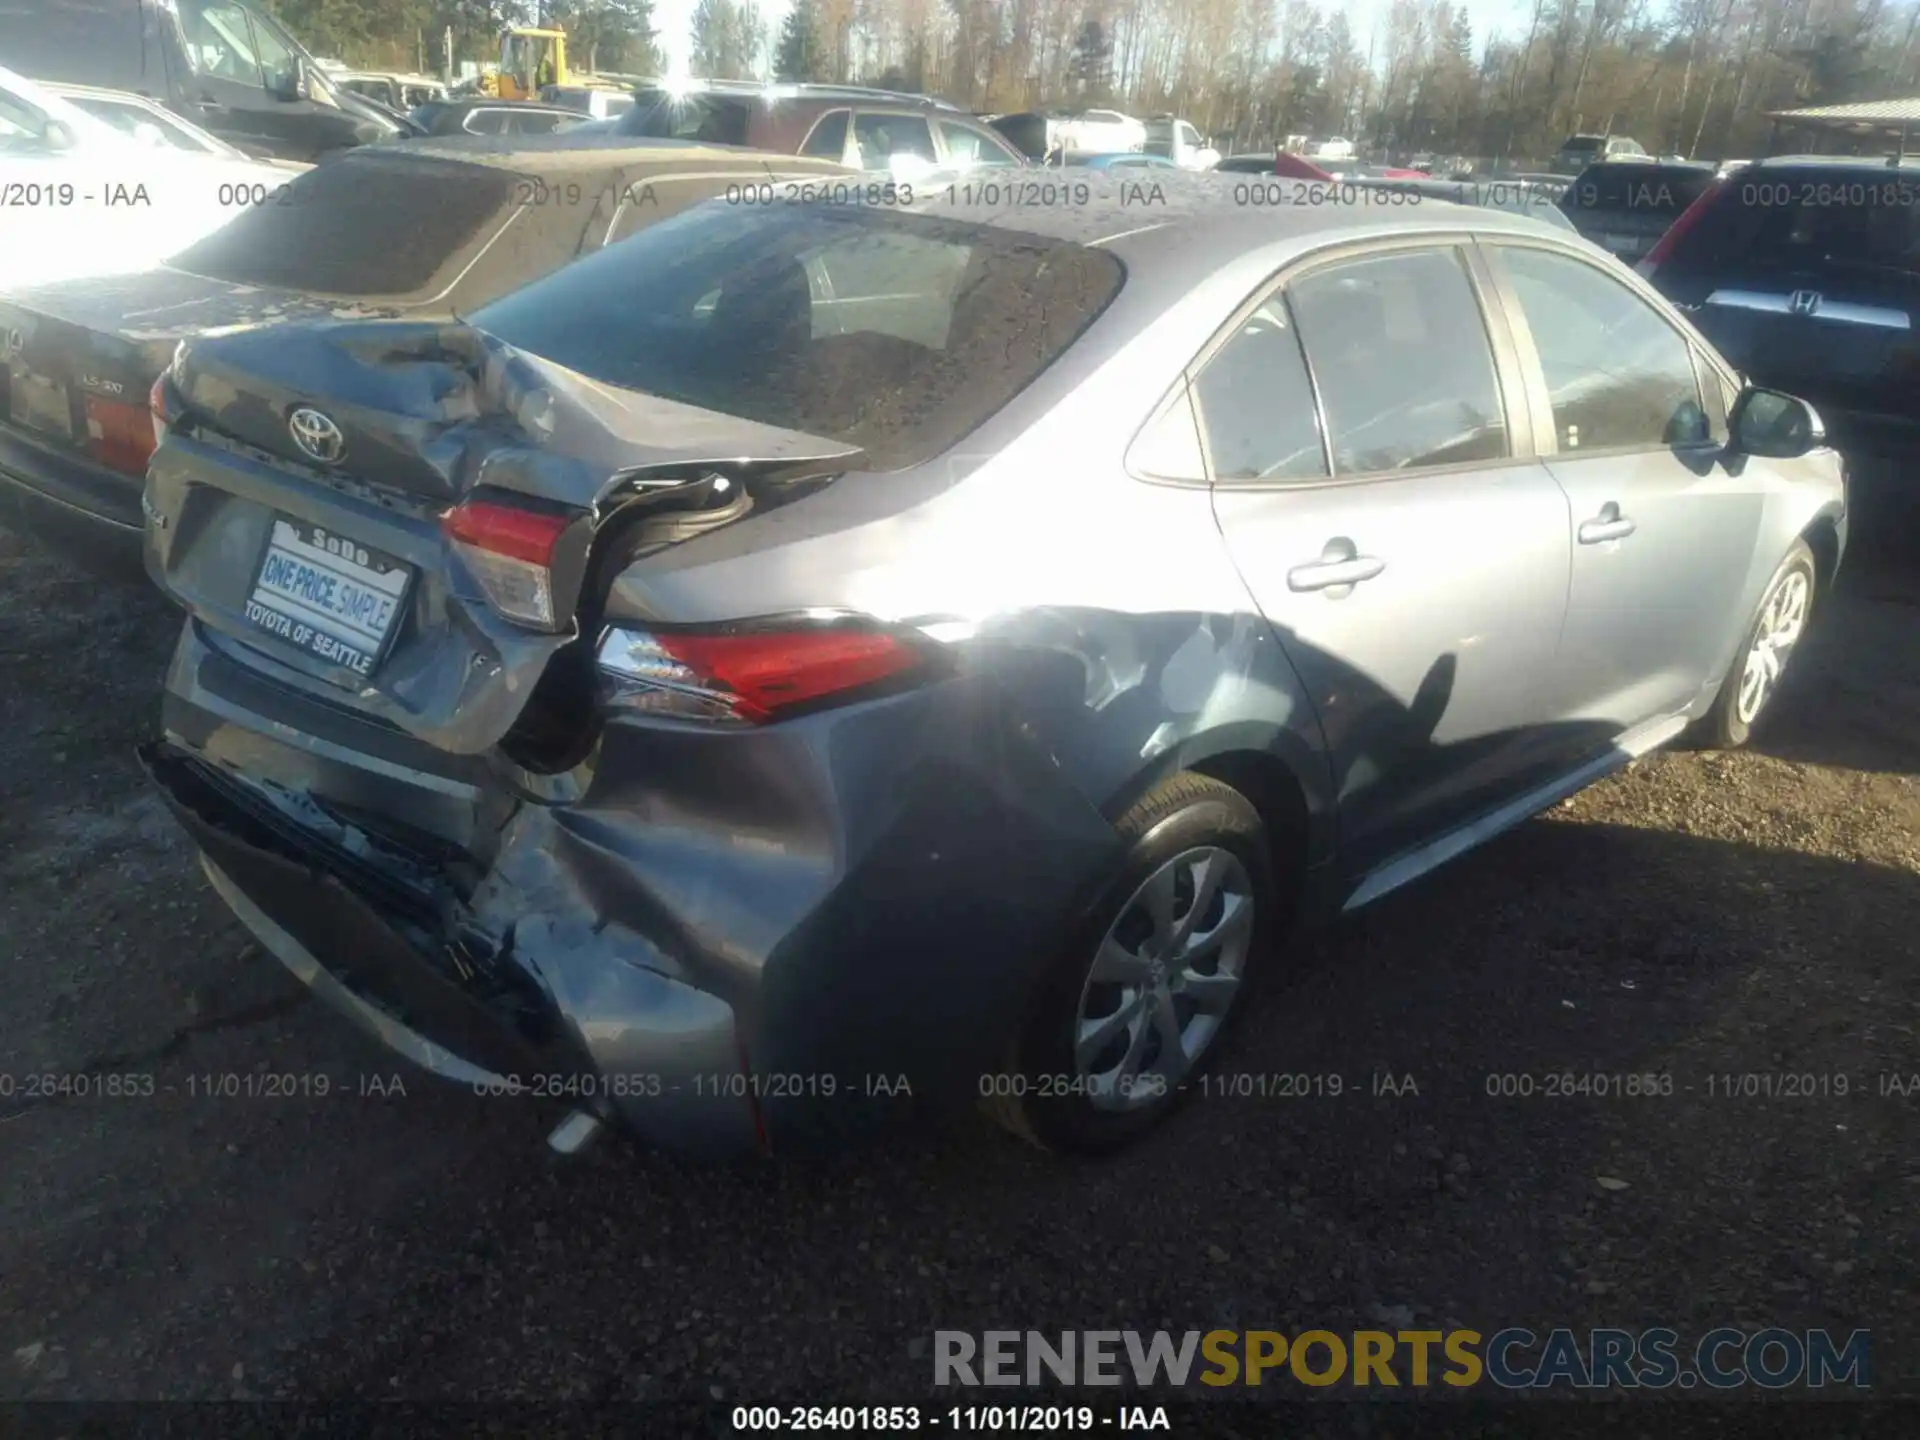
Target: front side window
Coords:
[(485, 122), (220, 41), (969, 148), (1617, 374), (1399, 348), (1256, 403), (885, 142)]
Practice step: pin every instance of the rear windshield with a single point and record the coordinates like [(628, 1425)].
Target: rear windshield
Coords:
[(363, 224), (1616, 185), (1581, 143), (894, 332), (710, 119), (1809, 219)]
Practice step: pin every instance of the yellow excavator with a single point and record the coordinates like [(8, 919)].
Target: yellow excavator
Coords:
[(529, 60)]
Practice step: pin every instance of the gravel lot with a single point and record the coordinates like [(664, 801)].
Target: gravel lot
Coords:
[(1696, 916)]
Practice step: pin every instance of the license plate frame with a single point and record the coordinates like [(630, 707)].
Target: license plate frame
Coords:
[(337, 599)]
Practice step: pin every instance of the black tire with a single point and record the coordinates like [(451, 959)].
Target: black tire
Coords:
[(1723, 727), (1184, 813)]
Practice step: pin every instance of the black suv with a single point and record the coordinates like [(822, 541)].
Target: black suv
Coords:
[(1625, 206), (1805, 272)]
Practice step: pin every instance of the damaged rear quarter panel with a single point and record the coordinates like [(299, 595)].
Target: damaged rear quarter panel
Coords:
[(825, 878)]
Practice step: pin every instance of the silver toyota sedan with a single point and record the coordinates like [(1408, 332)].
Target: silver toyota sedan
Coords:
[(814, 663)]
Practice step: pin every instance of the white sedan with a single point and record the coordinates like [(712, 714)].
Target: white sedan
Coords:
[(81, 197)]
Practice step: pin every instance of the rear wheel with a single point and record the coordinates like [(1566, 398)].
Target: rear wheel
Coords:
[(1749, 687), (1136, 1008)]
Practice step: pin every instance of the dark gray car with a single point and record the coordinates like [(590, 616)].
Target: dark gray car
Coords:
[(808, 663)]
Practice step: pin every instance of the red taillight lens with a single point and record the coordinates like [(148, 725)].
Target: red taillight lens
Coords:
[(755, 674), (1687, 218), (119, 434), (510, 551)]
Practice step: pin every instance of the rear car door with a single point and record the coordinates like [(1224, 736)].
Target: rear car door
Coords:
[(1663, 534), (1808, 278), (1373, 481)]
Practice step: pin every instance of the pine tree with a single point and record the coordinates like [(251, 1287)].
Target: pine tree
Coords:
[(800, 55)]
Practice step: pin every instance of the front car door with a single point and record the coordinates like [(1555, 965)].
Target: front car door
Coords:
[(235, 55), (1369, 455), (1663, 534)]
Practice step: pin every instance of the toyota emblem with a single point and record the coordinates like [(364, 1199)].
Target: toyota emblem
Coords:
[(316, 435)]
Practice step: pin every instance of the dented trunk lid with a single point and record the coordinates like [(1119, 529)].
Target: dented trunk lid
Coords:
[(428, 415)]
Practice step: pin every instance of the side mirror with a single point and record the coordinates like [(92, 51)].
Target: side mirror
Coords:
[(147, 133), (58, 136), (1774, 426), (289, 86)]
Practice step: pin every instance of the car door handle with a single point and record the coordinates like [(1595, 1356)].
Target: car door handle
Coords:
[(210, 107), (1609, 524), (1338, 564)]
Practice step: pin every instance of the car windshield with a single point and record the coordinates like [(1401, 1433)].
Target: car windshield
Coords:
[(364, 224), (893, 332)]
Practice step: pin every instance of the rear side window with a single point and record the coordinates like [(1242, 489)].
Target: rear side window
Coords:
[(895, 332), (1399, 348), (364, 224), (1617, 374), (485, 122), (1863, 219), (535, 122), (1655, 190), (1256, 403)]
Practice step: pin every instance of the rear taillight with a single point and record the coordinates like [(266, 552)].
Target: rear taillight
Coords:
[(119, 435), (511, 552), (1687, 218), (757, 672)]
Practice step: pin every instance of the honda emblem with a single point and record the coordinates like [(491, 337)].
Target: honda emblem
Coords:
[(1803, 302)]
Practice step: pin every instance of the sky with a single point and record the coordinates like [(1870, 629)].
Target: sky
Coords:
[(674, 20)]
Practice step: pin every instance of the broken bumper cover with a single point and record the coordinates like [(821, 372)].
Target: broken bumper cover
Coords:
[(657, 1056)]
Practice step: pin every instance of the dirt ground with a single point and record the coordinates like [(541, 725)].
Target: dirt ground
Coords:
[(1697, 916)]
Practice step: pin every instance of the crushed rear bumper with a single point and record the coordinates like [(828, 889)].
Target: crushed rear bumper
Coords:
[(380, 942)]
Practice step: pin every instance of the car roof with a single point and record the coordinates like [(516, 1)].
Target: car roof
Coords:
[(1195, 216), (1850, 162), (491, 102), (805, 91), (563, 152)]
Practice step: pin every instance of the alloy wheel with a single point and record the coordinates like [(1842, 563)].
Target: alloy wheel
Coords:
[(1164, 978), (1782, 619)]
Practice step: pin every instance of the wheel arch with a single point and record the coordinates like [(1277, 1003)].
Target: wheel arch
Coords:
[(1286, 781)]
